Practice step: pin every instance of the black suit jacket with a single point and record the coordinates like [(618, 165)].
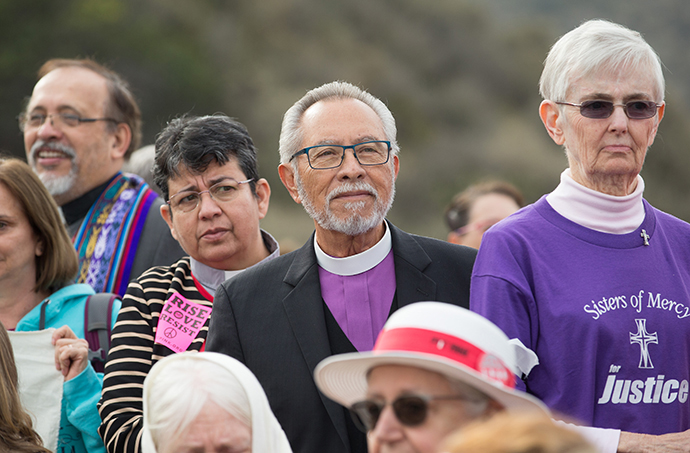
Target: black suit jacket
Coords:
[(271, 318)]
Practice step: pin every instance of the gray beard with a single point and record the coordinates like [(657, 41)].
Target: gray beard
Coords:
[(59, 185), (56, 185), (355, 224)]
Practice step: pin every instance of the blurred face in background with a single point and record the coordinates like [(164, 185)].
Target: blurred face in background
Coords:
[(19, 245), (486, 211), (71, 160)]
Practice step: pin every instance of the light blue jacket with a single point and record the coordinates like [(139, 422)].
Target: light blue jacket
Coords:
[(79, 420)]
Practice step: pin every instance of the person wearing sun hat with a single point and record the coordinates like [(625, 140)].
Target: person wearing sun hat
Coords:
[(438, 367)]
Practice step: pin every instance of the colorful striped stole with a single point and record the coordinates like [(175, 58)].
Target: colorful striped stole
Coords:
[(108, 237)]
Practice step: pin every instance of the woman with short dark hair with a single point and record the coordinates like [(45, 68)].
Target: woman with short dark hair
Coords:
[(206, 168)]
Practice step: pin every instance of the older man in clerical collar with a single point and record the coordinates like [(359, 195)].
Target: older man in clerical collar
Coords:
[(339, 159)]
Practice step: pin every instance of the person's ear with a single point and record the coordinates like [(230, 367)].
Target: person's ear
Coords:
[(550, 115), (659, 117), (287, 176), (121, 139), (263, 196), (40, 247), (167, 216)]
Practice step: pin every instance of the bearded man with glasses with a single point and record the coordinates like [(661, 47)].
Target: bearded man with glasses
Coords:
[(80, 125), (339, 159), (591, 280), (206, 168)]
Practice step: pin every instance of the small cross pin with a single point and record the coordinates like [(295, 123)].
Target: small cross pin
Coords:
[(645, 236)]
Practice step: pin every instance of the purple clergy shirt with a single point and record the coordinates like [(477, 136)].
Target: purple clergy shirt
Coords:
[(360, 303)]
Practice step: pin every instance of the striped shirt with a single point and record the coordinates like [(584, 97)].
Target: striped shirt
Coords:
[(133, 352)]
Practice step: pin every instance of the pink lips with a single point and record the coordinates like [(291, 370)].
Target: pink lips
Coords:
[(214, 234), (618, 148)]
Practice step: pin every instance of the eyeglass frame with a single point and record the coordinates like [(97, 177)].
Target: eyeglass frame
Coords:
[(361, 424), (23, 119), (342, 159), (208, 191), (625, 108)]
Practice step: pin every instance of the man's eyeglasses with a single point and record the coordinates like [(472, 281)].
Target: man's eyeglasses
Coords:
[(410, 410), (323, 157), (635, 110), (36, 120), (222, 192)]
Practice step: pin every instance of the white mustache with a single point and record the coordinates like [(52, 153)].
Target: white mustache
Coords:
[(54, 146), (351, 187)]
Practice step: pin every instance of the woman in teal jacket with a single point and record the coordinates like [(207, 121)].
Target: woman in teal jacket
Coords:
[(37, 267)]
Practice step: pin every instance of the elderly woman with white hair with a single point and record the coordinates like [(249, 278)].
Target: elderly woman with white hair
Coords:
[(591, 280), (207, 402)]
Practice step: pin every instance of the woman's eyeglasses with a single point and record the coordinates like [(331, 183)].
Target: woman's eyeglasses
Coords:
[(222, 192), (410, 410), (635, 110)]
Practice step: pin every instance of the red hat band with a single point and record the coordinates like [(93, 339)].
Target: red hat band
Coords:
[(410, 339)]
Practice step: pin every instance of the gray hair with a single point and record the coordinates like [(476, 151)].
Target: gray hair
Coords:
[(594, 46), (178, 395), (291, 131)]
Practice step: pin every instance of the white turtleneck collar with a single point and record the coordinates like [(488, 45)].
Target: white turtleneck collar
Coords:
[(359, 263), (595, 210)]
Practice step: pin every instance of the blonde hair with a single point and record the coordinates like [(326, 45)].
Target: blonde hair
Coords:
[(510, 432)]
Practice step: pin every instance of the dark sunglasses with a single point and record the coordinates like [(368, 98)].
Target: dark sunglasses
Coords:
[(410, 410), (635, 110)]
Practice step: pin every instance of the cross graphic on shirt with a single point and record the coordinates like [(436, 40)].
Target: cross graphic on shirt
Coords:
[(643, 338), (645, 236)]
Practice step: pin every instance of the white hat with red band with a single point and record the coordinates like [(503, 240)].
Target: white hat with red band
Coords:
[(434, 336)]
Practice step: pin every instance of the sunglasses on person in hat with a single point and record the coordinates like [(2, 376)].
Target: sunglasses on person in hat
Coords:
[(410, 410)]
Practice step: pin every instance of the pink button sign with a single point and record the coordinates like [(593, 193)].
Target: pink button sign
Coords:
[(180, 321)]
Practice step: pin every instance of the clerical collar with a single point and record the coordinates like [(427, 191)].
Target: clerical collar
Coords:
[(78, 208), (595, 210), (359, 263), (211, 278)]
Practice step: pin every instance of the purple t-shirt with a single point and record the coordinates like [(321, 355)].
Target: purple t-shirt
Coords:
[(607, 315)]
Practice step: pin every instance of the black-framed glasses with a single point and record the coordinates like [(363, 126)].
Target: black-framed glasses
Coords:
[(36, 120), (324, 157), (635, 110), (410, 410), (223, 192)]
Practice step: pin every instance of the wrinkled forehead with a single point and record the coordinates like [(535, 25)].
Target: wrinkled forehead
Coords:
[(340, 121)]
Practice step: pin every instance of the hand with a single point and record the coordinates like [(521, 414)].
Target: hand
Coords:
[(672, 442), (71, 353)]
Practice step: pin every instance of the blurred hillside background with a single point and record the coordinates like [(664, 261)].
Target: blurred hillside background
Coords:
[(460, 76)]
